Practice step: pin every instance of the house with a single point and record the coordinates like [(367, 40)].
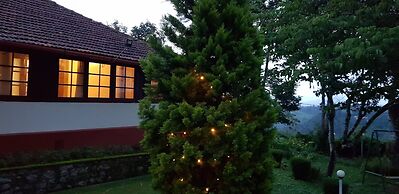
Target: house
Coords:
[(65, 80)]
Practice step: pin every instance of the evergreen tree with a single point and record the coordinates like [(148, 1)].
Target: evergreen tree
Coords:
[(211, 129)]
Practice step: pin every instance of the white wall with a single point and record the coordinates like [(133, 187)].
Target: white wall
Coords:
[(21, 117)]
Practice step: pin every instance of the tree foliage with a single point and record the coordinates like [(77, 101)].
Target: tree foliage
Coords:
[(211, 130), (348, 47), (145, 31)]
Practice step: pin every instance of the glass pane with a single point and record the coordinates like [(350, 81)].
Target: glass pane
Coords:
[(94, 80), (77, 91), (77, 66), (19, 89), (105, 81), (105, 69), (93, 92), (130, 82), (65, 65), (129, 71), (77, 79), (120, 70), (5, 58), (129, 93), (120, 93), (64, 91), (120, 82), (104, 92), (64, 78), (20, 74), (5, 88), (94, 68), (21, 60), (5, 73)]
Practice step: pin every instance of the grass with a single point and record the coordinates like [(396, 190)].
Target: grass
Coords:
[(284, 183)]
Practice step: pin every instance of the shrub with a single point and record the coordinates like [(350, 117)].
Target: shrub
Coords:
[(301, 168), (26, 158), (278, 156), (383, 166), (314, 173), (330, 186), (320, 138)]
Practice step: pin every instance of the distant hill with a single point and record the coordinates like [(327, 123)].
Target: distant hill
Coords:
[(309, 119)]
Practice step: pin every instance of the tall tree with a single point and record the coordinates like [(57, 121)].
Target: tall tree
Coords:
[(116, 25), (145, 31), (212, 128)]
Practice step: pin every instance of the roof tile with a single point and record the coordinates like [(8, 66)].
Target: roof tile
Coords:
[(45, 23)]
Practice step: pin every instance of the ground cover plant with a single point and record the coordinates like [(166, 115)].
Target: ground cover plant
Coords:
[(284, 182), (49, 156)]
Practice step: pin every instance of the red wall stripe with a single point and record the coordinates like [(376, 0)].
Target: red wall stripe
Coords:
[(27, 142)]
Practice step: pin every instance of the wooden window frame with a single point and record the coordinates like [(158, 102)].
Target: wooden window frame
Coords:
[(125, 77), (12, 81), (71, 72)]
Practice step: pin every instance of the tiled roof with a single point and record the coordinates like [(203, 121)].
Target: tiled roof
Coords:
[(45, 23)]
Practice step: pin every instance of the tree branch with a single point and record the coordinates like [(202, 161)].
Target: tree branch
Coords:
[(375, 116)]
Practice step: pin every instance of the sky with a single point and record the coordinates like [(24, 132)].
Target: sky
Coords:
[(132, 12)]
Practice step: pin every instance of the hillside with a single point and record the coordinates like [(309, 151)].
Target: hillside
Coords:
[(309, 119)]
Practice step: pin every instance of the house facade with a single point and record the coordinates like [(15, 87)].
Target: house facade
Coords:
[(65, 80)]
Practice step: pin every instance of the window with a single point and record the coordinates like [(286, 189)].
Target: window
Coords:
[(14, 73), (70, 78), (124, 82), (99, 80)]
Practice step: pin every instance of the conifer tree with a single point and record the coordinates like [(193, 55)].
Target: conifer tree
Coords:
[(210, 129)]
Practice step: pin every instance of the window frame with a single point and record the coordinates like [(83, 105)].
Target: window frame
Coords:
[(71, 72), (125, 77), (12, 81), (99, 75)]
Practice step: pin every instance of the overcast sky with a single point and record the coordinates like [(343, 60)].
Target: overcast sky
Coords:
[(132, 12)]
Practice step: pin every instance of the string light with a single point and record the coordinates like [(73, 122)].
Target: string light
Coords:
[(199, 161), (217, 179), (182, 157), (202, 77), (228, 156), (207, 189), (174, 159), (185, 133), (213, 131), (181, 180)]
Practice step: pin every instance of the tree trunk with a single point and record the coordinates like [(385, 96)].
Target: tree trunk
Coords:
[(373, 118), (331, 135), (347, 121), (393, 112), (323, 113), (266, 68)]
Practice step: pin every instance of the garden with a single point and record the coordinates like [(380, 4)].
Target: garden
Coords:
[(299, 168)]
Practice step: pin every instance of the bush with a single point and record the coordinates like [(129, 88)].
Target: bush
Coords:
[(278, 156), (382, 166), (320, 138), (301, 168), (330, 186), (21, 159)]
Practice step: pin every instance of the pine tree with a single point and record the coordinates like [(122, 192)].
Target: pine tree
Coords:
[(211, 128)]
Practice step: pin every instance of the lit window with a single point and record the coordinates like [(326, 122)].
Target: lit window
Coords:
[(70, 78), (124, 82), (99, 80), (14, 74)]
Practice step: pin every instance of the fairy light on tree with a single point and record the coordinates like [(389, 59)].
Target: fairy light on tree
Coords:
[(206, 94)]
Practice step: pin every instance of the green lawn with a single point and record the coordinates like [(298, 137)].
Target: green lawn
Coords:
[(283, 182)]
